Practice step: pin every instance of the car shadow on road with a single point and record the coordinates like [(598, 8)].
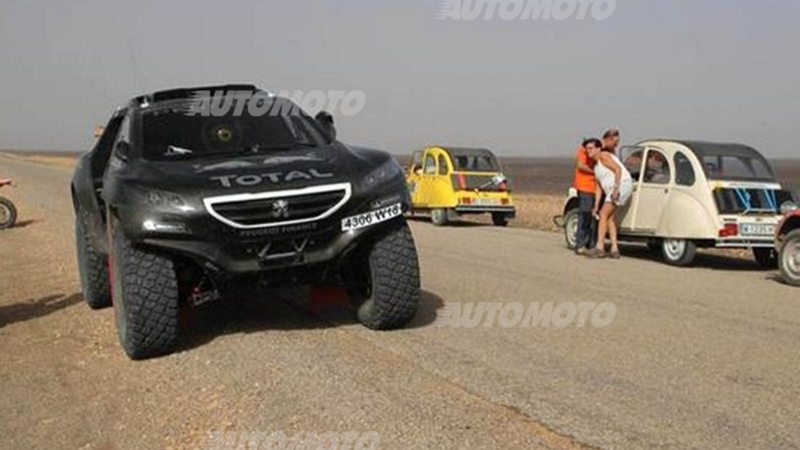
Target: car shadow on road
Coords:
[(24, 223), (430, 304), (703, 260), (458, 223), (34, 309), (467, 224), (259, 312)]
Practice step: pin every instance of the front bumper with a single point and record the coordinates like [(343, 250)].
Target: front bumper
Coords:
[(229, 258), (228, 251)]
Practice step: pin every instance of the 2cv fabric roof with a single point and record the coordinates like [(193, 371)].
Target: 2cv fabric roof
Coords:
[(467, 151), (754, 166), (704, 148)]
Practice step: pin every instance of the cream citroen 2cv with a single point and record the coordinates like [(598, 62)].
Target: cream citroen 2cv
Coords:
[(691, 194)]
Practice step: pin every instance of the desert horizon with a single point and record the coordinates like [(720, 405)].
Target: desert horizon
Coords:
[(545, 175)]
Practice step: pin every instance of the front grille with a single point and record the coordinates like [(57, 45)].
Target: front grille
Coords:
[(279, 208)]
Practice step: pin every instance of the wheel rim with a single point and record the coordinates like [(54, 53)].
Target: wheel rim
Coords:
[(790, 257), (674, 248), (5, 214), (571, 228)]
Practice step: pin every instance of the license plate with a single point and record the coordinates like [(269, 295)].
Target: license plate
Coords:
[(757, 229), (372, 217), (487, 201)]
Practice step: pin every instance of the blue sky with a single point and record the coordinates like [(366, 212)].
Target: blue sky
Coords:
[(703, 69)]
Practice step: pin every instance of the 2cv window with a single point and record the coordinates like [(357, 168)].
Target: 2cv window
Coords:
[(416, 162), (684, 172), (430, 165), (633, 161), (442, 165), (657, 169)]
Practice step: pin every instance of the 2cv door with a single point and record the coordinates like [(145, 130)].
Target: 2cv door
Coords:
[(651, 169), (429, 180)]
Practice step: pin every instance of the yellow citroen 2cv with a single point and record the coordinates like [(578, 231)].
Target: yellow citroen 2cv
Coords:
[(448, 182)]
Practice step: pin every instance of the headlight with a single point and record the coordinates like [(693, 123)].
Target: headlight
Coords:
[(788, 207), (162, 199), (163, 227), (382, 174)]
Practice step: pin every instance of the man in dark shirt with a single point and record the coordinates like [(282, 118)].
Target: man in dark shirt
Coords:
[(611, 140)]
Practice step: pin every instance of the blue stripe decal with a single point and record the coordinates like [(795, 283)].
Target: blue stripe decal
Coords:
[(744, 197), (772, 199)]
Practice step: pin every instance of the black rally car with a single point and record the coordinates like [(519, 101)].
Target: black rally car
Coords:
[(178, 206)]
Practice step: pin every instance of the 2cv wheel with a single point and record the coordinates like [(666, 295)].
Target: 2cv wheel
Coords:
[(789, 259), (571, 229), (678, 252), (439, 217), (499, 220)]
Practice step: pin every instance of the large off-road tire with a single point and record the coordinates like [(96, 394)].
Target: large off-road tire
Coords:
[(92, 267), (393, 290), (678, 252), (145, 292), (8, 213), (499, 219), (789, 259), (439, 217), (767, 258), (571, 229)]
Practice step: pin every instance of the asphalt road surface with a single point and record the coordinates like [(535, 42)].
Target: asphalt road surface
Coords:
[(701, 358)]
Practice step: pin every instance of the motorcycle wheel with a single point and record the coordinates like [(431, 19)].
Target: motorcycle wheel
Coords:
[(8, 213)]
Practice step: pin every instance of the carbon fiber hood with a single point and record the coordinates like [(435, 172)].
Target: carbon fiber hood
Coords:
[(335, 163)]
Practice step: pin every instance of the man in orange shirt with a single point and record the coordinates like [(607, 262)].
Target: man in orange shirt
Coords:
[(586, 185)]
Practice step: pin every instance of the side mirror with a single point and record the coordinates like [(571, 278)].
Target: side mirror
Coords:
[(325, 120), (123, 150)]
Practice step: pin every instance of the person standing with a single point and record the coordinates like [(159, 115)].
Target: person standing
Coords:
[(611, 141), (586, 185), (616, 184)]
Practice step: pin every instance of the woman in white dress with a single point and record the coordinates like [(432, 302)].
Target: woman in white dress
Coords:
[(614, 183)]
